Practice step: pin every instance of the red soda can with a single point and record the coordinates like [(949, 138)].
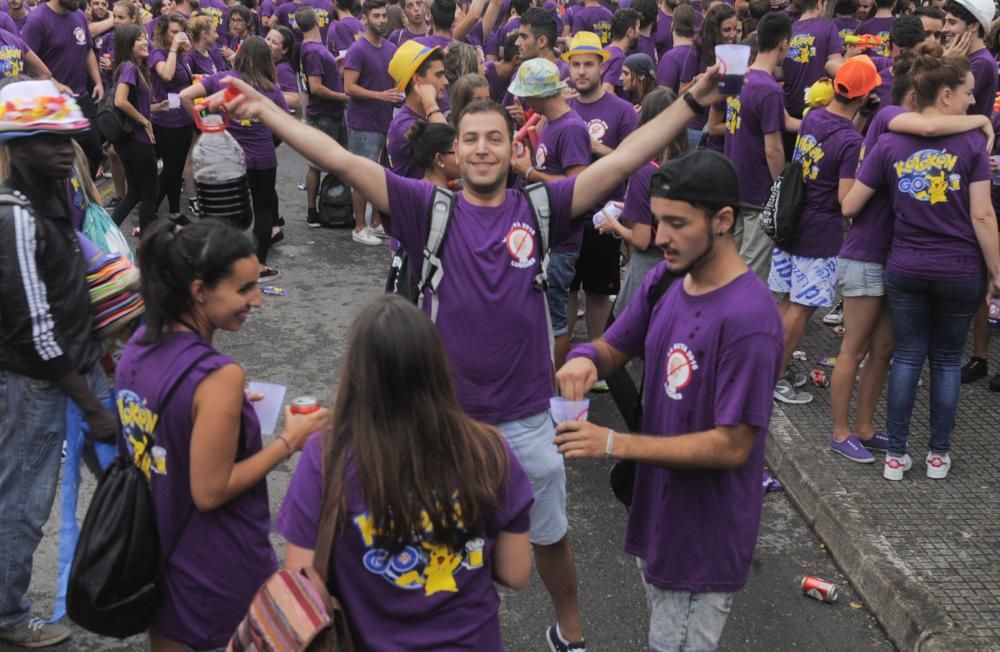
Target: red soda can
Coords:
[(819, 378), (819, 589), (304, 405)]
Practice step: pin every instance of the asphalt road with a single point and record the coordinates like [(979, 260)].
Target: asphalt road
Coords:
[(298, 339)]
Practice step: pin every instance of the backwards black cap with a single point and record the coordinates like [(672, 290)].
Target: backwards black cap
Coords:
[(700, 177)]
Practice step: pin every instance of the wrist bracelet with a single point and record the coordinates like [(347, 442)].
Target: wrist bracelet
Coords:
[(430, 113), (610, 447), (287, 445), (527, 173), (692, 103)]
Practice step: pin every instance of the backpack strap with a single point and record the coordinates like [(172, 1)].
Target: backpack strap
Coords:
[(541, 208), (432, 272)]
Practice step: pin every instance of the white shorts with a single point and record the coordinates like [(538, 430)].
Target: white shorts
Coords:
[(810, 282)]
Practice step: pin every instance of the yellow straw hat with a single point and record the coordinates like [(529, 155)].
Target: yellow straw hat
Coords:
[(406, 60), (586, 43)]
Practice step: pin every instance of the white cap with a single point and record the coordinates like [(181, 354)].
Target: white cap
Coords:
[(982, 10)]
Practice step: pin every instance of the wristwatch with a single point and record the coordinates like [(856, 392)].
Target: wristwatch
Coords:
[(692, 103)]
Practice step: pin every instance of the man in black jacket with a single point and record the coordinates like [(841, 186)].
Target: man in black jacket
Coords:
[(48, 352)]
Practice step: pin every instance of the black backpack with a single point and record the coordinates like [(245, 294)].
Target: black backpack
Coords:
[(113, 586), (335, 207), (112, 121), (628, 400), (781, 215)]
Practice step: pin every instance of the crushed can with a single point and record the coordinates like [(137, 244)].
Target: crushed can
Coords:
[(819, 589), (819, 378)]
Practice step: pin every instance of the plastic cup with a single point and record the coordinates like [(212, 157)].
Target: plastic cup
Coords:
[(733, 63), (563, 410), (173, 100)]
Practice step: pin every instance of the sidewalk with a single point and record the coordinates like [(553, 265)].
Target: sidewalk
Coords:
[(924, 554)]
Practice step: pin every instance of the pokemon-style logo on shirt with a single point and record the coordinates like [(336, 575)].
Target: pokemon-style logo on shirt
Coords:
[(597, 128), (882, 50), (520, 243), (928, 175), (844, 33), (214, 13), (802, 48), (733, 119), (680, 369), (322, 17), (138, 423), (421, 565), (11, 61), (603, 30), (809, 153)]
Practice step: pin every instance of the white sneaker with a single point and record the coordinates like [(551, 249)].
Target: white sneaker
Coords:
[(896, 466), (378, 231), (365, 237), (938, 465), (836, 315)]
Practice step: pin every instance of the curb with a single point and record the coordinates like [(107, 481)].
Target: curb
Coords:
[(900, 601)]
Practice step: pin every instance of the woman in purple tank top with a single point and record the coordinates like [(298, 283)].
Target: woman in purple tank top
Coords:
[(202, 452)]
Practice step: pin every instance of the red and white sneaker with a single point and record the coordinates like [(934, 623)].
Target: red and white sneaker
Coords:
[(938, 465), (895, 466)]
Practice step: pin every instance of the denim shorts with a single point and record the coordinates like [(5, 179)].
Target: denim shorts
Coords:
[(369, 144), (562, 269), (332, 127), (532, 440), (682, 621), (810, 282), (860, 279)]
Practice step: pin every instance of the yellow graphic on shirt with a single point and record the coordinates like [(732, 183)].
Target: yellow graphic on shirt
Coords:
[(802, 48), (322, 17), (138, 423), (603, 30), (928, 175), (11, 61), (213, 13), (809, 153), (733, 119), (423, 564)]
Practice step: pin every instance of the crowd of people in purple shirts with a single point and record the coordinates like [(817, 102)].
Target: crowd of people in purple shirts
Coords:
[(562, 139)]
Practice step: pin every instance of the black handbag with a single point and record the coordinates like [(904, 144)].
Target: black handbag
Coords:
[(113, 586)]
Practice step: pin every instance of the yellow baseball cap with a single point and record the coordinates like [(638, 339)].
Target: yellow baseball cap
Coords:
[(406, 60), (586, 43)]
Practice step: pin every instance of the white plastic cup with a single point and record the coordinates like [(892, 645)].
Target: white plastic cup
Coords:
[(563, 410), (733, 63), (174, 100)]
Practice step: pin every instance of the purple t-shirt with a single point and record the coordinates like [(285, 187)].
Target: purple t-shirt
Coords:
[(711, 360), (218, 11), (325, 16), (398, 144), (284, 13), (499, 36), (870, 235), (101, 39), (828, 147), (256, 139), (663, 36), (636, 206), (224, 555), (694, 66), (645, 45), (343, 34), (758, 110), (63, 42), (884, 90), (498, 87), (490, 316), (12, 51), (879, 27), (403, 35), (288, 81), (609, 121), (668, 71), (434, 40), (316, 61), (613, 70), (564, 143), (181, 80), (928, 180), (446, 600), (139, 97), (813, 41), (372, 65), (17, 22), (984, 72), (846, 26), (595, 19), (206, 64)]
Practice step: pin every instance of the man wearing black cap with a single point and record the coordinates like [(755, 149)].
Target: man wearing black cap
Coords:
[(712, 346)]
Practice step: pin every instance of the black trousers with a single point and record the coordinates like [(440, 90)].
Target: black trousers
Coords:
[(90, 140), (172, 145), (265, 208), (139, 160)]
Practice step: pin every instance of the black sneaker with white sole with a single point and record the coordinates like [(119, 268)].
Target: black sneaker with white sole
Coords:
[(558, 644)]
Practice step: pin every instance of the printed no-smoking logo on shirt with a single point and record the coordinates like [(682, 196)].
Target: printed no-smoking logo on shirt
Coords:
[(680, 368)]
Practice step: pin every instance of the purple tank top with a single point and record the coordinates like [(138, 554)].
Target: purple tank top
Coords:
[(223, 556)]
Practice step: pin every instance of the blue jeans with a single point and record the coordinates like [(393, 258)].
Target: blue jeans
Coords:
[(682, 621), (930, 319), (562, 269), (32, 429)]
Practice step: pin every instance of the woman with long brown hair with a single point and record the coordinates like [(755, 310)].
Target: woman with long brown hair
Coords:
[(431, 506)]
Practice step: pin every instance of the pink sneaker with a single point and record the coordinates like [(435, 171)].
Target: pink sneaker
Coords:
[(895, 466), (938, 465)]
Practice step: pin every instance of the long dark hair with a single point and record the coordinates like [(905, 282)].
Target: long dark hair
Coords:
[(254, 64), (655, 103), (125, 38), (711, 31), (415, 451), (171, 258)]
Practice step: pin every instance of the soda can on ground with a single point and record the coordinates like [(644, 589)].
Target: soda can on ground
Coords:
[(304, 405), (819, 589), (819, 378)]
